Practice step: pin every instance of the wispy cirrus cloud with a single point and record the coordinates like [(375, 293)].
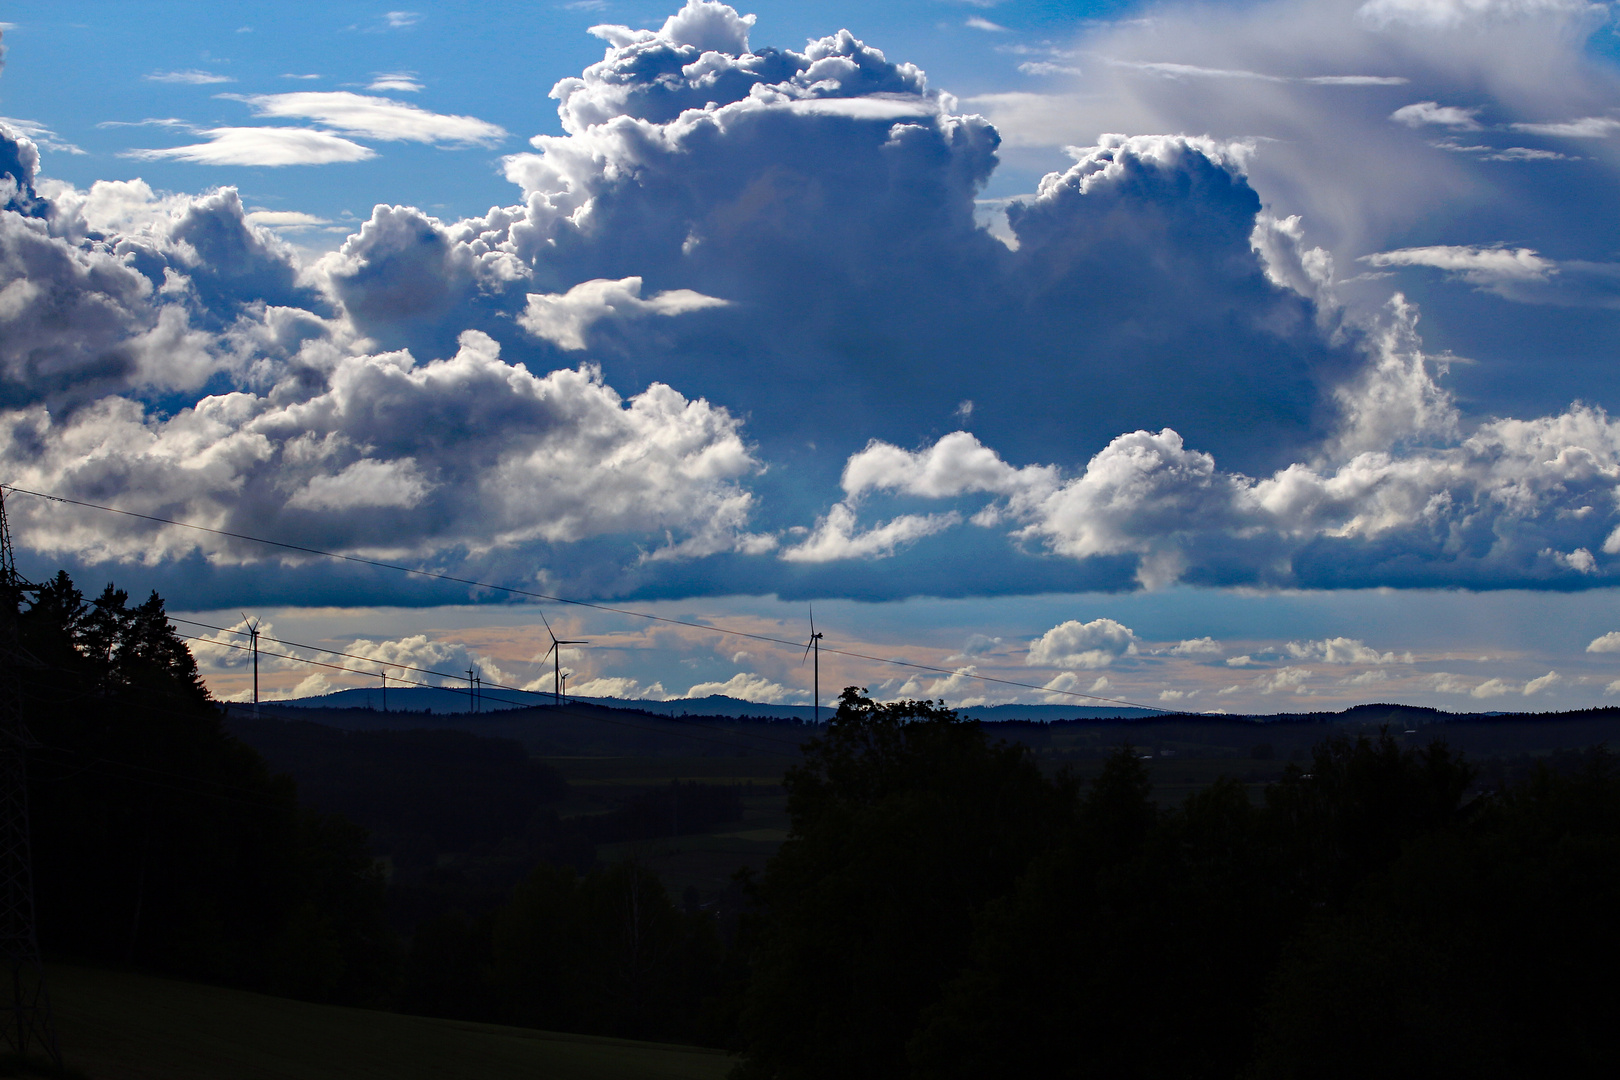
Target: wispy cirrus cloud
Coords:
[(1587, 127), (1526, 153), (1170, 70), (384, 119), (1047, 67), (285, 219), (395, 81), (1480, 265), (271, 146), (42, 135), (1503, 153), (193, 77)]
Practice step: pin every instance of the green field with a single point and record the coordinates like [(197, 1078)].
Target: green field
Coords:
[(118, 1026)]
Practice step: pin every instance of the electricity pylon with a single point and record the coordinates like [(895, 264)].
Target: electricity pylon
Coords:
[(25, 1008)]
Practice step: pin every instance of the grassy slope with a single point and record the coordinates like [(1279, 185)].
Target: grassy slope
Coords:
[(116, 1026)]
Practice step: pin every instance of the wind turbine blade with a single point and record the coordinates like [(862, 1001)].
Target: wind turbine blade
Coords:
[(805, 657), (549, 651)]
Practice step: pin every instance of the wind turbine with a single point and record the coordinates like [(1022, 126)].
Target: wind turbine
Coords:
[(253, 632), (814, 645), (556, 653)]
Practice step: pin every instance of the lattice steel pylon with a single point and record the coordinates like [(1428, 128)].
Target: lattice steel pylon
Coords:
[(25, 1008)]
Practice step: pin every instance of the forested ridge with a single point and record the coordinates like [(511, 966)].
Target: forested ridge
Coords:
[(942, 906)]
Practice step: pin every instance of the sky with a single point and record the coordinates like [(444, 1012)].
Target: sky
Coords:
[(1244, 357)]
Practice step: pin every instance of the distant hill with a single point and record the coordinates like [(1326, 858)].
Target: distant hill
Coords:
[(707, 727), (455, 700)]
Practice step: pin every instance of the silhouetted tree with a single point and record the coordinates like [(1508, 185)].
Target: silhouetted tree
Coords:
[(904, 822)]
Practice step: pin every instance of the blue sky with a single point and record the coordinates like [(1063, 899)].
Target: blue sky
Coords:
[(1240, 356)]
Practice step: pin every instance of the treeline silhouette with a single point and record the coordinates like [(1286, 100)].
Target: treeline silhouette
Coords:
[(942, 910), (942, 907), (162, 842)]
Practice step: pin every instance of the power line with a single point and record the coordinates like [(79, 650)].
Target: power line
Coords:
[(514, 591), (383, 664), (329, 652), (732, 742)]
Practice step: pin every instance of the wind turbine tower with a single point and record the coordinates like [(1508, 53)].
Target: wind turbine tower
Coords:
[(814, 646), (253, 637)]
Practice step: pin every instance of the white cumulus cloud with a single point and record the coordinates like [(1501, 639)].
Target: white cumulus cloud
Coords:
[(747, 686), (1343, 650), (618, 686), (838, 536), (1283, 680), (1537, 685), (1074, 644), (1493, 688), (564, 319), (363, 457)]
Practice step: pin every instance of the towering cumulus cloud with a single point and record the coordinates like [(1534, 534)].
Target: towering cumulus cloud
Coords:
[(826, 197), (738, 271)]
